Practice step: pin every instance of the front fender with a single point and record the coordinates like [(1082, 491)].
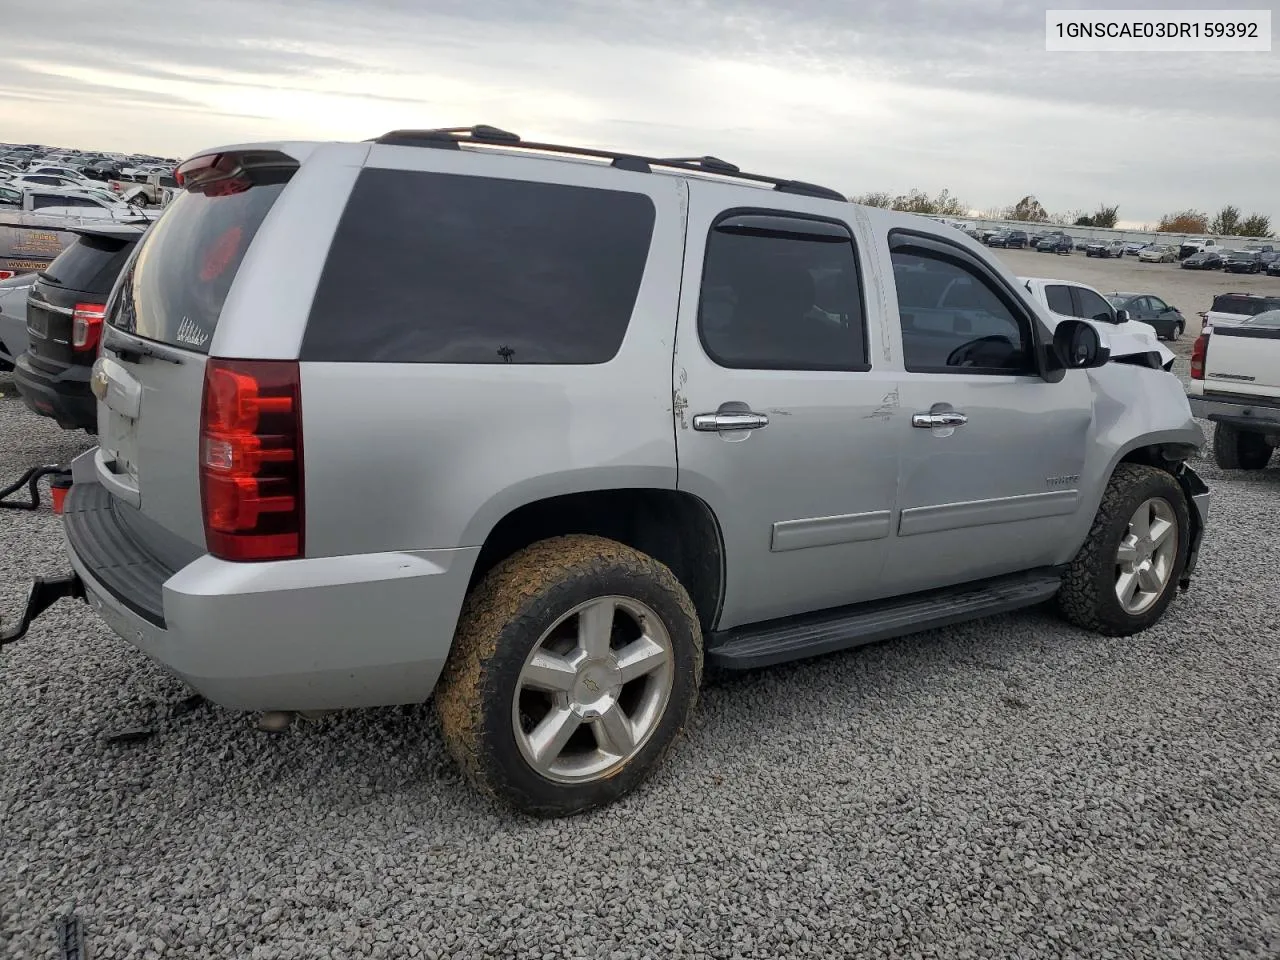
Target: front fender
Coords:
[(1137, 411)]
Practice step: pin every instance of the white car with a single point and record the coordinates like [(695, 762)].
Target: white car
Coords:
[(1195, 245), (1130, 340)]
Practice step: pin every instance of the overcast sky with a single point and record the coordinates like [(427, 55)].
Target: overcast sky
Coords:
[(855, 94)]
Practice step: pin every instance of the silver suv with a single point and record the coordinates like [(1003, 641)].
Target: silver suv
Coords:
[(540, 431)]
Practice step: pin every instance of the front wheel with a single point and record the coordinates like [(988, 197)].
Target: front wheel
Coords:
[(575, 666), (1178, 330), (1126, 574)]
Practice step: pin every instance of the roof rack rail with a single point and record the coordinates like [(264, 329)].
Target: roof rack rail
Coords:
[(450, 138)]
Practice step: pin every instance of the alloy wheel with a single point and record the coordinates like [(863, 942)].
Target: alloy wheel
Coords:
[(1146, 555), (593, 689)]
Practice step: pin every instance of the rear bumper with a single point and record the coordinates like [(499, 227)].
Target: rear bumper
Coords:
[(65, 397), (1262, 413), (322, 633)]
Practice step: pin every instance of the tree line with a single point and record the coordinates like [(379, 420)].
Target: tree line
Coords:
[(1229, 221)]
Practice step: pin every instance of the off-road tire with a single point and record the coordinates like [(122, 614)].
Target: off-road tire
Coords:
[(1087, 597), (503, 618), (1236, 449)]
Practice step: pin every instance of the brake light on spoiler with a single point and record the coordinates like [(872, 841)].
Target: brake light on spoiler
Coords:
[(251, 469)]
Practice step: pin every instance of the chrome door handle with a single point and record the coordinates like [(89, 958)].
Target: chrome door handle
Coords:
[(927, 421), (725, 422)]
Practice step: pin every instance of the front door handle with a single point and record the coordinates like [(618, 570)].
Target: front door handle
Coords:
[(947, 418), (726, 422)]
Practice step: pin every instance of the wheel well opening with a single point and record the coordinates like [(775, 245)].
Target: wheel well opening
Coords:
[(1166, 456), (675, 528)]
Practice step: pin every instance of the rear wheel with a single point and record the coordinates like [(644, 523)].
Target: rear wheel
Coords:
[(1236, 449), (1126, 574), (575, 667)]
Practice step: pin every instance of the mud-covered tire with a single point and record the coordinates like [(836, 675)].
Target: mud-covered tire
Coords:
[(1088, 597), (502, 620), (1236, 449)]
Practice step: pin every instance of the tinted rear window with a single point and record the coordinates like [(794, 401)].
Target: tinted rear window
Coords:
[(440, 268), (1244, 306), (90, 264), (174, 288)]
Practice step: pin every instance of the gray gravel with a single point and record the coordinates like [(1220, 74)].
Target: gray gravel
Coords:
[(1012, 788)]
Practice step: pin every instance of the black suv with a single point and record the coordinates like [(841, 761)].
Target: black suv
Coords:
[(64, 324), (1056, 243)]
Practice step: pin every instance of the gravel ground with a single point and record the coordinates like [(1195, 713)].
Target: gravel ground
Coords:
[(1010, 788)]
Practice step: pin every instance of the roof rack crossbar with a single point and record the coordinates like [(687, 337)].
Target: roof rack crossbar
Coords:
[(449, 138)]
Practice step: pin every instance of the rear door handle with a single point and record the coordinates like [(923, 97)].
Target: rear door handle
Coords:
[(948, 418), (726, 422)]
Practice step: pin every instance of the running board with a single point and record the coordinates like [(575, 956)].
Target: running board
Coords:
[(811, 635)]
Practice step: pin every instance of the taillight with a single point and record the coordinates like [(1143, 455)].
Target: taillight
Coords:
[(1199, 350), (86, 326), (6, 274), (251, 475)]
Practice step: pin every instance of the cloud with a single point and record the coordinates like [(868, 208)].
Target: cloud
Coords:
[(882, 94)]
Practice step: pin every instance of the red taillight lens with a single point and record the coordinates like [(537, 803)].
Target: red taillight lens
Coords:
[(1199, 350), (251, 476), (6, 274), (86, 326)]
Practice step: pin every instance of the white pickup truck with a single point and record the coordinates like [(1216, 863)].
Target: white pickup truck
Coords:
[(1131, 341), (1235, 384)]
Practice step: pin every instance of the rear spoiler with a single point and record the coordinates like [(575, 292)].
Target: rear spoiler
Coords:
[(116, 230)]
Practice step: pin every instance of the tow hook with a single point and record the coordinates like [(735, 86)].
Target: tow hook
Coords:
[(43, 593)]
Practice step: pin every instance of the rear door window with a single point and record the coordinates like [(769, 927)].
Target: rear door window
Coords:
[(1059, 298), (173, 290), (782, 293), (442, 268)]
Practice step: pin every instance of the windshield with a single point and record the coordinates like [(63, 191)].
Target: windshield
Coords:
[(1117, 301)]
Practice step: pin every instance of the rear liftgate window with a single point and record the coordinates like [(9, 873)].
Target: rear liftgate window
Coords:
[(440, 268), (174, 288)]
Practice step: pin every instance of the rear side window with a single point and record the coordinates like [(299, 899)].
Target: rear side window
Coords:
[(780, 293), (174, 288), (91, 264), (1059, 298), (441, 268)]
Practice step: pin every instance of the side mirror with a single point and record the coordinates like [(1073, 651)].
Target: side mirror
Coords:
[(1122, 316), (1078, 345)]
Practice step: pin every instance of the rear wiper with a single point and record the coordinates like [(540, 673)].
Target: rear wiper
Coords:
[(49, 278), (134, 352)]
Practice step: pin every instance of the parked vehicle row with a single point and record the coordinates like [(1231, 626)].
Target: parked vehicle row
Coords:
[(561, 609), (76, 165)]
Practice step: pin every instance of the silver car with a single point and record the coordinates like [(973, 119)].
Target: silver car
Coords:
[(543, 431), (13, 317)]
